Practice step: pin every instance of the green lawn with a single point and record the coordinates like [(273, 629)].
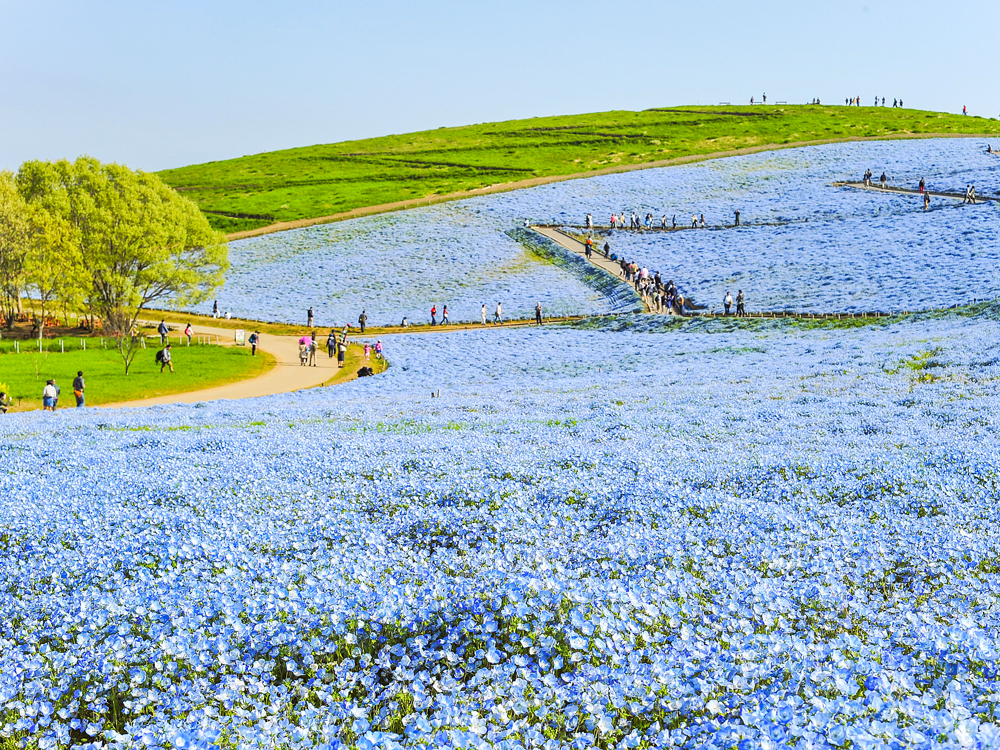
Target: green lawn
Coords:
[(23, 375), (313, 181)]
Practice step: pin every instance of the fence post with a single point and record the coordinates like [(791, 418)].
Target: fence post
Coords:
[(62, 349), (84, 343)]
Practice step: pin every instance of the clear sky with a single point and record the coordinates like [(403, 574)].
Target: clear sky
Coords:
[(156, 85)]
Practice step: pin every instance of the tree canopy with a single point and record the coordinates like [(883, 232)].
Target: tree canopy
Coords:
[(103, 238)]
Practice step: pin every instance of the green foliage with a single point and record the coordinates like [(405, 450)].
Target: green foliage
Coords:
[(253, 191), (119, 238)]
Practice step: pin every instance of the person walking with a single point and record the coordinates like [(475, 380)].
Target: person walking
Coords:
[(378, 349), (927, 201), (883, 180), (694, 221), (737, 217), (331, 344), (538, 313), (498, 315), (968, 187), (78, 386), (590, 221), (588, 249), (434, 315), (313, 346), (254, 340), (49, 396), (309, 318), (607, 249), (163, 357), (482, 313), (444, 316), (972, 194), (921, 185), (362, 319), (341, 353), (740, 301), (368, 352), (188, 331), (727, 301), (163, 331)]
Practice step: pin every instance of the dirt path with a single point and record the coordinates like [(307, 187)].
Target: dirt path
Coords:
[(575, 246), (282, 226), (287, 374)]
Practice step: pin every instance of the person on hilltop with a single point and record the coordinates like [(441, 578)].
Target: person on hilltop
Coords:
[(362, 319), (498, 315), (163, 331), (538, 313), (254, 340), (737, 223), (444, 316), (163, 357), (927, 201), (309, 318), (482, 313), (694, 221), (921, 185), (740, 302), (727, 301), (434, 315), (78, 386), (883, 180), (590, 221)]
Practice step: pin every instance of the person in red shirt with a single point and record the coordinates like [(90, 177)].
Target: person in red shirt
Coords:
[(434, 312)]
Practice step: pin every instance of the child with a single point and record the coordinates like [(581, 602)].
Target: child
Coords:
[(378, 349), (368, 351)]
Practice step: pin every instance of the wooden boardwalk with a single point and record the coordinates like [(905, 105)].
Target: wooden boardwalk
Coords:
[(876, 188)]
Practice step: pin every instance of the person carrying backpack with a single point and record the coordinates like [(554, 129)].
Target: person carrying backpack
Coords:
[(362, 319), (163, 358), (254, 339), (163, 331)]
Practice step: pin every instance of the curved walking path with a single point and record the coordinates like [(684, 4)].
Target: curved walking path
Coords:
[(286, 375), (877, 188), (575, 246)]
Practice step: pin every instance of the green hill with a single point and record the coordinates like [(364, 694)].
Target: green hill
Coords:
[(316, 181)]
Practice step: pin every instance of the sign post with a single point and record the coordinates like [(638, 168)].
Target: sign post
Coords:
[(241, 337)]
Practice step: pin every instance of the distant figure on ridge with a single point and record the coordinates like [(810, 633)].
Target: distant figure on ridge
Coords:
[(309, 318), (538, 313), (737, 218)]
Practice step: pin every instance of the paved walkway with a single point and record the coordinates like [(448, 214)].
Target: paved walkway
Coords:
[(596, 257), (286, 375)]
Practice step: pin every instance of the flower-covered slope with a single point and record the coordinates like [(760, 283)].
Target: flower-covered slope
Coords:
[(683, 537)]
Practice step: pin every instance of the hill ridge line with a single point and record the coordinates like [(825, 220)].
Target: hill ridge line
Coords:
[(504, 187)]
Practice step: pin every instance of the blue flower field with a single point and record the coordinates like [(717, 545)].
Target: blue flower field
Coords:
[(634, 531)]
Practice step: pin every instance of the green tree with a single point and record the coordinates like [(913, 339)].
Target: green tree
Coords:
[(13, 247), (53, 263), (139, 241)]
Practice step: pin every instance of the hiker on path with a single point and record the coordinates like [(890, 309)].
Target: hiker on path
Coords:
[(740, 300), (482, 313), (362, 319), (590, 221), (331, 344), (163, 331), (737, 218), (444, 317), (883, 180), (538, 313), (341, 353), (607, 249), (188, 331), (163, 357), (78, 386), (964, 110), (727, 301), (50, 395), (309, 318), (921, 185), (702, 222), (303, 351), (967, 198), (215, 309), (498, 315), (694, 221), (254, 340), (313, 346), (927, 201), (589, 248), (434, 315)]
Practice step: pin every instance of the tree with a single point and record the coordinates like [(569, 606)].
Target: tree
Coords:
[(53, 264), (13, 247), (139, 241)]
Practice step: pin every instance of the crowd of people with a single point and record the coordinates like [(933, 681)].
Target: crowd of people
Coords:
[(634, 220)]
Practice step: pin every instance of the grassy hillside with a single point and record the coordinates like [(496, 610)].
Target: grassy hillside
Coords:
[(301, 183)]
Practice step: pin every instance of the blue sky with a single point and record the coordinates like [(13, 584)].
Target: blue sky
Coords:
[(157, 85)]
